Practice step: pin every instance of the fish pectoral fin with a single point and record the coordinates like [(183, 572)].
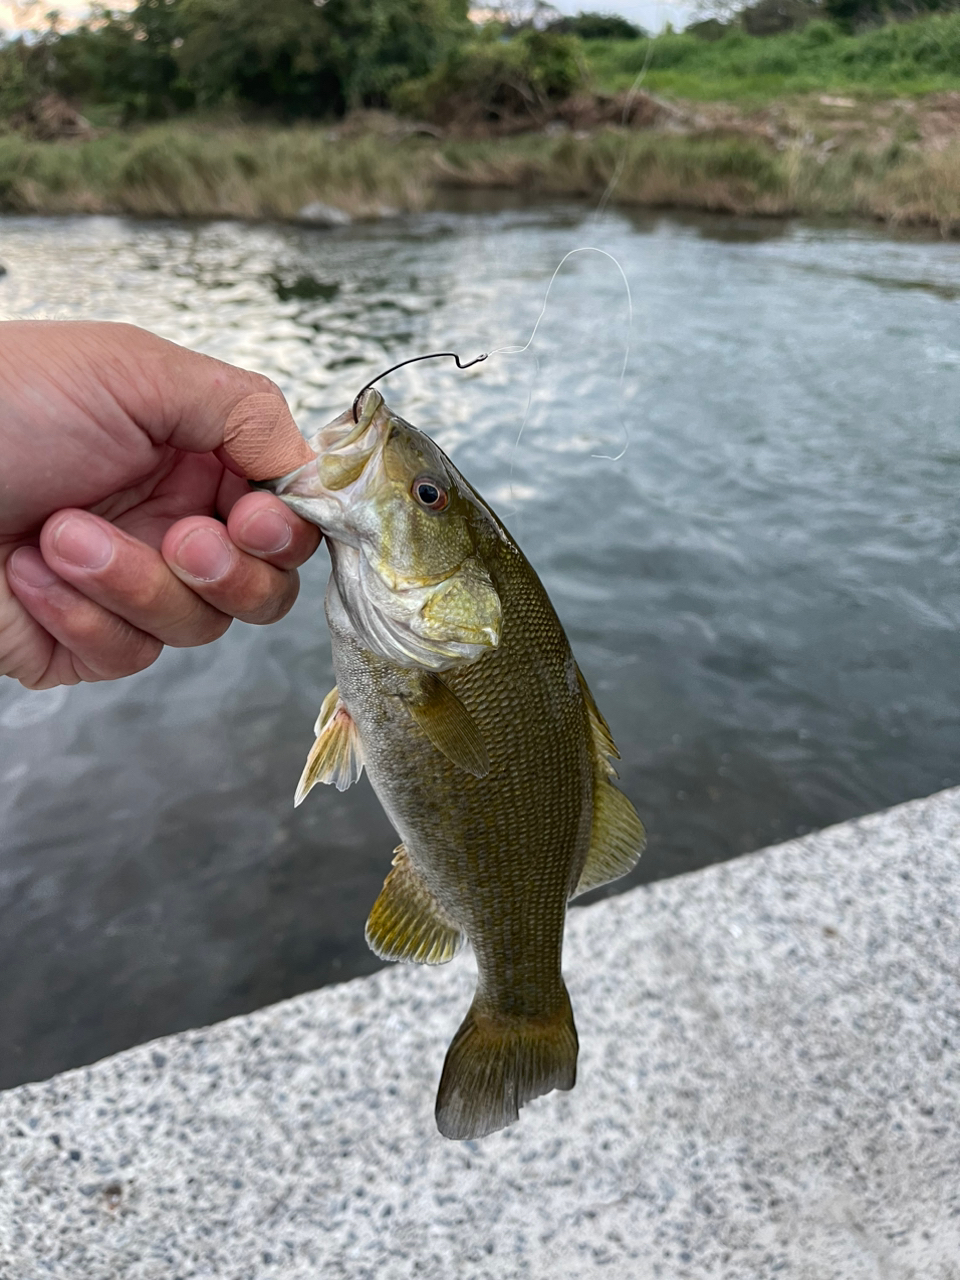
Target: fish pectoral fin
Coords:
[(407, 923), (337, 756), (616, 840), (496, 1064), (449, 726), (328, 707)]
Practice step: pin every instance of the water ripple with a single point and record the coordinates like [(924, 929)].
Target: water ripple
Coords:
[(763, 591)]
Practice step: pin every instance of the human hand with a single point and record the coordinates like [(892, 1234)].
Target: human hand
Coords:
[(111, 470)]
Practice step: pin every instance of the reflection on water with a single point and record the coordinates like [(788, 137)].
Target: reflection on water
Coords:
[(763, 591)]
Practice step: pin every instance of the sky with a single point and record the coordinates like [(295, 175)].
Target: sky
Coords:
[(653, 15)]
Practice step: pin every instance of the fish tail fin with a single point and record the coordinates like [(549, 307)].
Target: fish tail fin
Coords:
[(496, 1064)]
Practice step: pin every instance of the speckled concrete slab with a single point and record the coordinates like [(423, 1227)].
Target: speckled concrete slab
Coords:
[(769, 1085)]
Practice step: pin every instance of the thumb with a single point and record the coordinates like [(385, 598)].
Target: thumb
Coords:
[(261, 437), (189, 401), (206, 405)]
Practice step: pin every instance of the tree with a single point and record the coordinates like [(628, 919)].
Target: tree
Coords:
[(313, 57), (126, 58), (295, 58)]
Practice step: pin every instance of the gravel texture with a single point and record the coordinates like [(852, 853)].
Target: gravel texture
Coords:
[(769, 1086)]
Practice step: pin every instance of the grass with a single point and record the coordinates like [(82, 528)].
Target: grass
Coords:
[(922, 56), (180, 170), (726, 174), (799, 157)]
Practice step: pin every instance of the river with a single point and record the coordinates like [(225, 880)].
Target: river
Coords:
[(763, 590)]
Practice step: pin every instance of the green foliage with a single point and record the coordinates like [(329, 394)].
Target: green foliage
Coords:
[(128, 59), (491, 79), (14, 80), (231, 54), (26, 69), (315, 58), (294, 57), (907, 57), (311, 59)]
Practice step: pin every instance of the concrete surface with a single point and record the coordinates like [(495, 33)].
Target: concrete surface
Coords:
[(769, 1086)]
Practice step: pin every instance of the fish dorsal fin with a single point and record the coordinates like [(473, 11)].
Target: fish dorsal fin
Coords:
[(604, 748), (407, 923), (449, 726), (337, 756), (617, 836)]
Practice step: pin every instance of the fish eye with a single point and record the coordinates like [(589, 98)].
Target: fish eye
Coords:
[(430, 494)]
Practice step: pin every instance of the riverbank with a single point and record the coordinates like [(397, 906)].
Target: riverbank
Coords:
[(896, 161), (767, 1084)]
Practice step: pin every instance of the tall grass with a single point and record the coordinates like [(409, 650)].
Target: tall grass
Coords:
[(175, 170), (900, 58), (183, 171), (730, 174)]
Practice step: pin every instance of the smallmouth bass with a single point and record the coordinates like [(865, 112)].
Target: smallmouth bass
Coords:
[(457, 691)]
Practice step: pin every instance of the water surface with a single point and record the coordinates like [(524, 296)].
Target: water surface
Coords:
[(763, 591)]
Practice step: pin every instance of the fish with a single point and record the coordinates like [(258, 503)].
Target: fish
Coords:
[(458, 693)]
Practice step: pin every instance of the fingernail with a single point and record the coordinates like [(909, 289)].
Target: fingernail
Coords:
[(83, 543), (29, 566), (204, 555), (267, 533)]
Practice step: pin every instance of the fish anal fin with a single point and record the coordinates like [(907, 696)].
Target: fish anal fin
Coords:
[(337, 756), (449, 726), (494, 1066), (407, 923), (617, 837)]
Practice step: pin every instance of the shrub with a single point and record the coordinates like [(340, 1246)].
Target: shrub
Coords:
[(492, 80)]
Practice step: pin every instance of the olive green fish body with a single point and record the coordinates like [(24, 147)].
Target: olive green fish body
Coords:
[(458, 692), (502, 853)]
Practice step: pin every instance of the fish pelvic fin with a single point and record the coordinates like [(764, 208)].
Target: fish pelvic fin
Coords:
[(496, 1064), (407, 923), (337, 756), (449, 726)]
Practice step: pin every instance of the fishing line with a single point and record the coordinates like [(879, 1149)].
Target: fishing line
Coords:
[(519, 350), (597, 215), (628, 103)]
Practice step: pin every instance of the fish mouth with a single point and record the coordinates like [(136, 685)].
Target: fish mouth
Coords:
[(321, 490), (346, 434), (408, 609)]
